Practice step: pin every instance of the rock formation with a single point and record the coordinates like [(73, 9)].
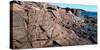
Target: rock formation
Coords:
[(36, 25)]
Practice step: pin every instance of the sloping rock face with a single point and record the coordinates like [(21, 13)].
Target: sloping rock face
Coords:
[(88, 29), (38, 25)]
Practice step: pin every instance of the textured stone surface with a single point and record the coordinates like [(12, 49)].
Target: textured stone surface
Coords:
[(44, 25)]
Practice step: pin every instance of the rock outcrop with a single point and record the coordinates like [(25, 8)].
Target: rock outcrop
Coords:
[(36, 25)]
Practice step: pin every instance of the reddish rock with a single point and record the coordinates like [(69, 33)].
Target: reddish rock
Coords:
[(35, 26)]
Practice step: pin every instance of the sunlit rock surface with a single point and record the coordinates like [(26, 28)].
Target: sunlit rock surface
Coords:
[(36, 25)]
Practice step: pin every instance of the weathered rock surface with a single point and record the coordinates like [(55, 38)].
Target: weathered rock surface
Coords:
[(39, 25), (88, 30)]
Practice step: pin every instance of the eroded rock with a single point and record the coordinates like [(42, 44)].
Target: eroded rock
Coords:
[(43, 25)]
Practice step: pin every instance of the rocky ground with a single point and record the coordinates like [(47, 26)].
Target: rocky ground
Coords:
[(38, 25)]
